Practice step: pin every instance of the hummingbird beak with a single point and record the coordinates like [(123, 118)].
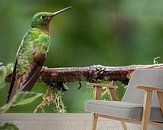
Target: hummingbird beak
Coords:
[(60, 11)]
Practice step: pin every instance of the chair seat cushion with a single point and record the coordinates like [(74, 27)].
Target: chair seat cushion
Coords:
[(131, 111)]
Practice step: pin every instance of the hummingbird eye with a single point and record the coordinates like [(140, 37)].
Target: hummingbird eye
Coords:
[(43, 17)]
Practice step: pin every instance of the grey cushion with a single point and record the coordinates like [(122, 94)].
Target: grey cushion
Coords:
[(125, 110)]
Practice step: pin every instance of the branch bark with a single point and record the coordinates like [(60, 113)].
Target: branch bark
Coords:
[(95, 73)]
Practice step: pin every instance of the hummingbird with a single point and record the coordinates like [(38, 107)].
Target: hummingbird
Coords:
[(32, 53)]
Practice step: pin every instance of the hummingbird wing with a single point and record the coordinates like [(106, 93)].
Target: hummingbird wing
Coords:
[(12, 89), (33, 72), (29, 61)]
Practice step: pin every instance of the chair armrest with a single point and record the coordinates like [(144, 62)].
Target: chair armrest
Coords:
[(149, 88), (148, 101)]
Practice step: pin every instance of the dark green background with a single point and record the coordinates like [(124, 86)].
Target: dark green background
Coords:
[(107, 32)]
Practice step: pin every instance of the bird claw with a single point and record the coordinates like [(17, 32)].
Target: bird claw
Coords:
[(61, 86)]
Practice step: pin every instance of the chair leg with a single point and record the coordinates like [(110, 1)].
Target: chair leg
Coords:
[(124, 125), (94, 123), (144, 126), (146, 109)]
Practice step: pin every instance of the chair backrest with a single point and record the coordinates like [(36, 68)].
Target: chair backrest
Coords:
[(143, 77)]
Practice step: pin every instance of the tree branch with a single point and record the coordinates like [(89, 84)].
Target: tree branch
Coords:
[(95, 73)]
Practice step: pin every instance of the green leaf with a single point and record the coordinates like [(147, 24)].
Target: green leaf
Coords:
[(8, 126), (20, 99), (4, 71), (5, 107), (24, 98)]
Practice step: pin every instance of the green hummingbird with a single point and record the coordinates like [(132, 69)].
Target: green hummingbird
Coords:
[(32, 53)]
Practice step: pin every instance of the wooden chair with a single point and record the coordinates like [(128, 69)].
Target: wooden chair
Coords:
[(138, 105)]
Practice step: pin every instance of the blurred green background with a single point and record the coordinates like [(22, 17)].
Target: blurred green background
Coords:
[(107, 32)]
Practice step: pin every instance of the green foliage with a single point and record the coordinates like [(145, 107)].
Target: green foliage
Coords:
[(4, 71), (8, 126), (121, 88), (20, 99)]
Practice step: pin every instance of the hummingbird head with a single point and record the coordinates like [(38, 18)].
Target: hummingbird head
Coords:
[(41, 20)]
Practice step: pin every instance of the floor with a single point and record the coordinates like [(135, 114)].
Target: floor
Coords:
[(69, 121)]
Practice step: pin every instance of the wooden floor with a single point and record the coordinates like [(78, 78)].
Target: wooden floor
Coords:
[(69, 121)]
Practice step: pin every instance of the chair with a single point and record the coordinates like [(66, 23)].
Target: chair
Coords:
[(141, 104)]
